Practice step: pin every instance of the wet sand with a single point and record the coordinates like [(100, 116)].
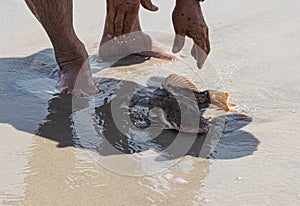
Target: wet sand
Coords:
[(254, 57)]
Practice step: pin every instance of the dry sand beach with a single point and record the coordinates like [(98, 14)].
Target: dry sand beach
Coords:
[(46, 158)]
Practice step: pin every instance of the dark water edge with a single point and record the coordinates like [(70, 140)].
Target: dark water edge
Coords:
[(29, 103)]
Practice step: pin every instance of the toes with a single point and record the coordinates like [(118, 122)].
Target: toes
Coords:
[(158, 55), (93, 90), (80, 92)]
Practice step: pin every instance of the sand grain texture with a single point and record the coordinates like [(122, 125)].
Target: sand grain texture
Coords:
[(256, 55)]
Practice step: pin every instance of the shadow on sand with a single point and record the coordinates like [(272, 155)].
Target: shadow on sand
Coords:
[(28, 102)]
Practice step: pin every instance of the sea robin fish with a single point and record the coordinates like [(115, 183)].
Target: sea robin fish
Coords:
[(176, 105)]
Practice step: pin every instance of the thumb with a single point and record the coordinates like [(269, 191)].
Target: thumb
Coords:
[(147, 4), (178, 43)]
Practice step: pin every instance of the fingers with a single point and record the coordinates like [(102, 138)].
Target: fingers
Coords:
[(201, 60), (180, 28), (109, 23), (119, 23), (147, 4), (129, 21), (201, 46), (207, 43), (178, 43), (159, 55), (200, 37), (194, 51), (105, 38), (122, 24), (199, 55), (121, 17), (204, 39)]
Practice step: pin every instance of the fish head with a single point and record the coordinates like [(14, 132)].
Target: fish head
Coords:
[(177, 110), (220, 99), (180, 104)]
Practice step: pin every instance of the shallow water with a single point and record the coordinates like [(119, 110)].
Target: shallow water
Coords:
[(88, 125), (254, 58)]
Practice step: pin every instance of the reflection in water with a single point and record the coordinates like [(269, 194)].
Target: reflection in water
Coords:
[(127, 142), (59, 126), (59, 122), (25, 106), (140, 140)]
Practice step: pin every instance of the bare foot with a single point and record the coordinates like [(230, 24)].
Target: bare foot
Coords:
[(161, 51), (75, 74), (136, 43)]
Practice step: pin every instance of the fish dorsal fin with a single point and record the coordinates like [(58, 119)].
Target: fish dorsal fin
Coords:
[(176, 81)]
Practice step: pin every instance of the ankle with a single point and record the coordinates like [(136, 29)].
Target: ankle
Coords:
[(72, 56)]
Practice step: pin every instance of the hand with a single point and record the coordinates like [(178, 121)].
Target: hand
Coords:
[(122, 15), (123, 45), (188, 21)]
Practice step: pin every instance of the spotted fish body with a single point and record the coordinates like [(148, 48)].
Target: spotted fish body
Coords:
[(177, 105)]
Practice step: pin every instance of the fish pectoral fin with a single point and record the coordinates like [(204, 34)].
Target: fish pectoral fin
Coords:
[(219, 99), (233, 108), (232, 105), (177, 81)]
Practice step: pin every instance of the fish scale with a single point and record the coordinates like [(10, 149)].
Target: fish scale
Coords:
[(176, 98)]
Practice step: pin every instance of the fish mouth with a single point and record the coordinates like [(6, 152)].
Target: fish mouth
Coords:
[(220, 99)]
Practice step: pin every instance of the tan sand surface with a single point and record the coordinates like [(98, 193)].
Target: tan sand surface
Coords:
[(255, 57)]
